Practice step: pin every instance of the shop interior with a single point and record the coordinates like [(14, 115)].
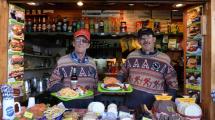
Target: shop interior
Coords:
[(48, 27)]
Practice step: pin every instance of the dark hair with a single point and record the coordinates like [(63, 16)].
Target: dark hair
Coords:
[(145, 31)]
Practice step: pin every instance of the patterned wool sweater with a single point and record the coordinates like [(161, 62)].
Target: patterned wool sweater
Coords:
[(86, 72), (151, 73)]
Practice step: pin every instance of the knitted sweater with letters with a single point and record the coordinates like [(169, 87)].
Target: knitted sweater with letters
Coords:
[(151, 73), (85, 70)]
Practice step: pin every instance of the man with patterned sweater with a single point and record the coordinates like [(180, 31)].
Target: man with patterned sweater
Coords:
[(85, 69), (148, 71)]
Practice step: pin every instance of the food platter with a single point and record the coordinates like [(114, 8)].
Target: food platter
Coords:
[(76, 95), (125, 88), (111, 87)]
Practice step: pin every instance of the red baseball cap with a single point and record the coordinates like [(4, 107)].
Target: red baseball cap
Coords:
[(83, 32)]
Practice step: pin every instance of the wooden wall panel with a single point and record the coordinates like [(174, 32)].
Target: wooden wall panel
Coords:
[(3, 40), (209, 62), (211, 23)]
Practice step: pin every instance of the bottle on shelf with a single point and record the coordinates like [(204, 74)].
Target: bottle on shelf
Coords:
[(78, 24), (49, 25), (44, 28), (39, 25), (86, 23), (74, 78), (34, 25), (123, 27), (65, 24), (91, 26), (53, 26), (101, 26), (29, 25), (74, 26), (96, 26), (59, 24), (106, 27), (69, 29), (82, 23)]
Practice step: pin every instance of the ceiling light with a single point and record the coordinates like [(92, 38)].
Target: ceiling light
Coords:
[(80, 3), (179, 5), (131, 4), (52, 4), (110, 3), (32, 3), (175, 10)]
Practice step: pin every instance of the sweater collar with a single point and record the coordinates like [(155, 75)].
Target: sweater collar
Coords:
[(75, 58), (148, 53)]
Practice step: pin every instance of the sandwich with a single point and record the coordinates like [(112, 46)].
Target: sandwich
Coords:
[(16, 45)]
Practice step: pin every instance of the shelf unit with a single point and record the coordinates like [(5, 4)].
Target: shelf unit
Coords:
[(115, 34), (39, 56), (42, 68)]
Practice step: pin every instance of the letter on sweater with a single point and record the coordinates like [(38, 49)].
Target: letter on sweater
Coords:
[(136, 63), (145, 64)]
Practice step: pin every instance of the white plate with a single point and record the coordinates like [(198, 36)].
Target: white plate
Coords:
[(111, 88)]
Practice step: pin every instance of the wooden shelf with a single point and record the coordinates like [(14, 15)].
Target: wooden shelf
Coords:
[(49, 33), (32, 15), (42, 68), (116, 34), (39, 56)]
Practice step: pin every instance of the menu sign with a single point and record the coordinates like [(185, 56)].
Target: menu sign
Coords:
[(16, 46), (194, 51)]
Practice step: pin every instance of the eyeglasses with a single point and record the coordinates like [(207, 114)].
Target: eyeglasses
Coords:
[(143, 38), (81, 40)]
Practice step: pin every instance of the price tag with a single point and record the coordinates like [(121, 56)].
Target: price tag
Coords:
[(163, 97), (28, 115), (187, 100)]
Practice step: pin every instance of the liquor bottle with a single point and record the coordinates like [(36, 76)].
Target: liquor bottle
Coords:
[(91, 26), (49, 25), (39, 26), (86, 23), (78, 25), (53, 27), (123, 27), (44, 25), (34, 25), (96, 27), (101, 26), (74, 78), (65, 24), (82, 23), (59, 25), (106, 27), (74, 26), (29, 25)]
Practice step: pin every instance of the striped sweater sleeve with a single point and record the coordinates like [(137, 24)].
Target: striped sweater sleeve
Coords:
[(55, 79), (123, 73), (171, 78)]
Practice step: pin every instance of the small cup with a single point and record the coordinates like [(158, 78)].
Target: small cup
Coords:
[(31, 102)]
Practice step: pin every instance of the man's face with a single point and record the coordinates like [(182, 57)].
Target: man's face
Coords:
[(147, 42), (80, 44)]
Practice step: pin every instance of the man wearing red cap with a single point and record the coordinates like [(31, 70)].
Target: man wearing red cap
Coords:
[(84, 65)]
